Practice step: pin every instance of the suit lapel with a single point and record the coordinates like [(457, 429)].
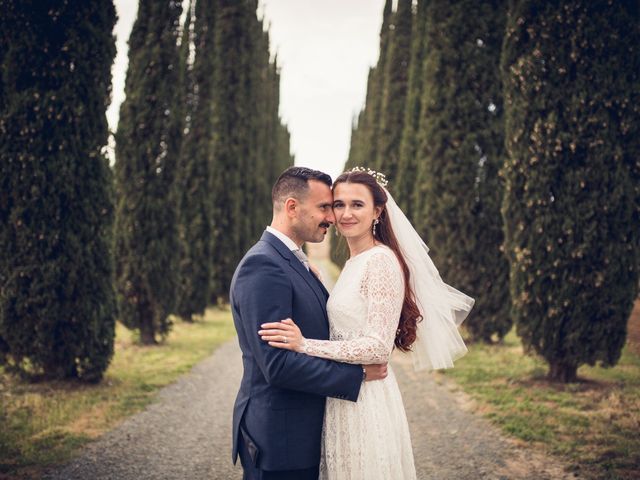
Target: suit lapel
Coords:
[(310, 279)]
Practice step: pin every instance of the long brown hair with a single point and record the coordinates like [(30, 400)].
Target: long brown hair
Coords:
[(410, 314)]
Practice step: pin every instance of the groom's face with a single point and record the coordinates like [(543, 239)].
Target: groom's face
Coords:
[(315, 214)]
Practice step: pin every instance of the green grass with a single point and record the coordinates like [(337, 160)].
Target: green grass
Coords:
[(594, 423), (45, 423)]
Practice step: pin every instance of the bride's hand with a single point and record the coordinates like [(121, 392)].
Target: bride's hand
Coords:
[(284, 334)]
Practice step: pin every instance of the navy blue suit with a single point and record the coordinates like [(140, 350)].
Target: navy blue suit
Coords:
[(279, 409)]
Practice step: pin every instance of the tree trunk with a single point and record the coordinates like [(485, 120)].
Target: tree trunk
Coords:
[(147, 332), (562, 372)]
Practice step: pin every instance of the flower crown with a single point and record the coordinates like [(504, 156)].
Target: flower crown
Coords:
[(380, 177)]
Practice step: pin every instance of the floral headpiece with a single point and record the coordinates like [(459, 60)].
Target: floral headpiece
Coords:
[(380, 178)]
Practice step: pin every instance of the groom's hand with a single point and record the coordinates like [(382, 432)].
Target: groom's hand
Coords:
[(375, 372)]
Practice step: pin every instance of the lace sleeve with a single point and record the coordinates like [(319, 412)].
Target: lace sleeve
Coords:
[(382, 286)]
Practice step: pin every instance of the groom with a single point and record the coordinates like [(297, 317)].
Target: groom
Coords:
[(277, 418)]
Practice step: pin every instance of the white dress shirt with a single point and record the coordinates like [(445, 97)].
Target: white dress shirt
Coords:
[(291, 245)]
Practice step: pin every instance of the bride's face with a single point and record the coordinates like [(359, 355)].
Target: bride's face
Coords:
[(354, 210)]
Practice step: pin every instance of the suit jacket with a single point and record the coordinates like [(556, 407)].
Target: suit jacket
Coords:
[(282, 394)]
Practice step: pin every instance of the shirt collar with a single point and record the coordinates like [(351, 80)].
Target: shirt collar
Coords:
[(291, 245)]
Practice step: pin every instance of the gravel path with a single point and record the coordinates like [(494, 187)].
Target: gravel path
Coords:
[(186, 433)]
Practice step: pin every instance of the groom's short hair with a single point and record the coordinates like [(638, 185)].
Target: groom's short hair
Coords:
[(294, 182)]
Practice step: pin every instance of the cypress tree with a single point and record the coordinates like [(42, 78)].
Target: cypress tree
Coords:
[(353, 139), (194, 225), (460, 153), (407, 163), (179, 106), (265, 132), (146, 158), (364, 139), (392, 111), (364, 135), (358, 147), (372, 121), (277, 157), (248, 99), (232, 134), (263, 129), (338, 249), (269, 138), (57, 305), (276, 163), (571, 207), (282, 157)]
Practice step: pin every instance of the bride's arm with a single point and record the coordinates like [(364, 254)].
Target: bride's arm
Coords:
[(383, 289)]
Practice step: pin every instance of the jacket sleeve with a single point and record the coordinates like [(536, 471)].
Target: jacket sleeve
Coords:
[(382, 287), (262, 293)]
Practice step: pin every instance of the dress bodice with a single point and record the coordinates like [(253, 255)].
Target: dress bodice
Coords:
[(364, 309)]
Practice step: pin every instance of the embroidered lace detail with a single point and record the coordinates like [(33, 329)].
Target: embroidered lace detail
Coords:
[(382, 287)]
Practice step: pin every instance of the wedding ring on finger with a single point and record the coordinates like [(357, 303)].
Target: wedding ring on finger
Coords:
[(284, 339)]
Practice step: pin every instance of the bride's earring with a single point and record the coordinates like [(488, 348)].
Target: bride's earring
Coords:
[(373, 229)]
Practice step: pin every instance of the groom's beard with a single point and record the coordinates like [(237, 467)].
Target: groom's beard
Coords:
[(325, 225)]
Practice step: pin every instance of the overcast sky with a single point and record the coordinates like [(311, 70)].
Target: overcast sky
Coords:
[(325, 49)]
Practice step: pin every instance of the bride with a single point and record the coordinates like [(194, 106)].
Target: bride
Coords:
[(389, 293)]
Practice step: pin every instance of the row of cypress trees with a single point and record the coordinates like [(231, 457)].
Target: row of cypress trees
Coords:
[(197, 147), (508, 131), (433, 124)]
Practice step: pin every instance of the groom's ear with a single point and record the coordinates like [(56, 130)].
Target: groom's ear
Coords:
[(291, 206)]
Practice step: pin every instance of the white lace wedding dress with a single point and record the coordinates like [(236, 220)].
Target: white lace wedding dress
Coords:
[(368, 439)]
